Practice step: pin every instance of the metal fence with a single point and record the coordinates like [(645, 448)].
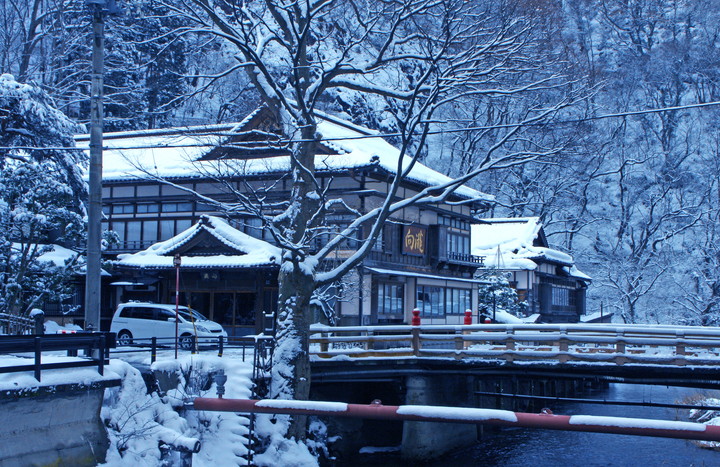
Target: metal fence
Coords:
[(94, 345), (14, 324), (249, 346)]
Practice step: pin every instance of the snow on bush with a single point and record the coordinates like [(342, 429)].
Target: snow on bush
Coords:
[(138, 423), (708, 417)]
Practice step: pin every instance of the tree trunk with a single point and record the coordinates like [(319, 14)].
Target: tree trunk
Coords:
[(291, 361), (296, 280)]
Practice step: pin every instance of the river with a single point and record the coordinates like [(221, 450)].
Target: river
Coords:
[(541, 448)]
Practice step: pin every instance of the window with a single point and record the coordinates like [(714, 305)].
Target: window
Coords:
[(122, 209), (183, 224), (137, 312), (390, 299), (119, 228), (164, 315), (437, 302), (458, 243), (147, 208), (562, 297), (177, 207), (148, 190), (150, 229), (457, 301), (453, 222), (134, 229), (123, 192), (430, 301), (167, 229)]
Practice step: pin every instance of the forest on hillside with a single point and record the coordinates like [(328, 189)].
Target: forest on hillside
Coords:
[(630, 189)]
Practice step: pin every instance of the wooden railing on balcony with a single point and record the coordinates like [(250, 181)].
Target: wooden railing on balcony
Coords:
[(465, 258)]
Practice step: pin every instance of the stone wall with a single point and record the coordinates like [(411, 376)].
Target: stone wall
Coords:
[(57, 426)]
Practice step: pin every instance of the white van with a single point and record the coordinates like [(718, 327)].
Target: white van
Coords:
[(140, 320)]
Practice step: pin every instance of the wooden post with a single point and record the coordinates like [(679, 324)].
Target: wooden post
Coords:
[(563, 346), (509, 344), (38, 357), (620, 348), (415, 332)]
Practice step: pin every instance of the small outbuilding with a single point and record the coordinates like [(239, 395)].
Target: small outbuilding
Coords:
[(227, 275), (545, 278)]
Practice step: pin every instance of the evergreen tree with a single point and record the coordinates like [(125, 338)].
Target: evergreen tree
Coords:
[(41, 193), (496, 294)]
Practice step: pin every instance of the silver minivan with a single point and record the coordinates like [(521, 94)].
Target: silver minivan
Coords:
[(142, 320)]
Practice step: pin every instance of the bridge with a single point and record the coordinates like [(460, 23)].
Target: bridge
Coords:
[(666, 355)]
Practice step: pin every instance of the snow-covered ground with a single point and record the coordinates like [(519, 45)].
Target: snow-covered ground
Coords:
[(138, 421), (708, 417)]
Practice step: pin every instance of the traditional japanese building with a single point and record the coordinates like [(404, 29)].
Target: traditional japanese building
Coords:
[(229, 276), (158, 184), (545, 278)]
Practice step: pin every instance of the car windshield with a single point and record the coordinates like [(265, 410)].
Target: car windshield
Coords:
[(190, 315)]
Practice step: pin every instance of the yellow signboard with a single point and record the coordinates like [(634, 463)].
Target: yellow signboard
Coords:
[(414, 240)]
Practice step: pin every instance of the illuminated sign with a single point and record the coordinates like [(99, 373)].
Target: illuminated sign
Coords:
[(414, 240)]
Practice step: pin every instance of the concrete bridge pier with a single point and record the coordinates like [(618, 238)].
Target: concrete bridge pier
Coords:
[(427, 440)]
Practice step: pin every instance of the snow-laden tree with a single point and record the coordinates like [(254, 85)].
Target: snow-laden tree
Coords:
[(496, 294), (630, 195), (48, 43), (415, 57), (41, 193)]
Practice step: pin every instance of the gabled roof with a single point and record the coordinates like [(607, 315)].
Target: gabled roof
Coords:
[(193, 153), (211, 243), (508, 233), (518, 244)]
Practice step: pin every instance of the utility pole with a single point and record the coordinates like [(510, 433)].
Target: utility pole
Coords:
[(98, 9)]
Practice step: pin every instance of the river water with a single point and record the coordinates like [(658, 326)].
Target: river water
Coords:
[(540, 448)]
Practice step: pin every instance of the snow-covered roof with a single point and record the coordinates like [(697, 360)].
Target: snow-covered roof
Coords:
[(177, 153), (509, 234), (502, 316), (58, 255), (249, 251), (513, 244)]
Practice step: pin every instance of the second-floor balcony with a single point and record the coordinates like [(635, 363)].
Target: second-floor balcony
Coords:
[(464, 258)]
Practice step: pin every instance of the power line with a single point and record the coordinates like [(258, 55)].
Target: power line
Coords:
[(281, 142)]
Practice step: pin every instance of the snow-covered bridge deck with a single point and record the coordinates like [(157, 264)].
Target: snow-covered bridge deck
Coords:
[(652, 354)]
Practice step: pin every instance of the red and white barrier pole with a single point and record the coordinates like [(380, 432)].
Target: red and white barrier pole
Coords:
[(617, 425)]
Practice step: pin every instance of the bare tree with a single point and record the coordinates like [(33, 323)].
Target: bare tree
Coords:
[(414, 56)]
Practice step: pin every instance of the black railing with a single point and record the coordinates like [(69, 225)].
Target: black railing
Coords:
[(250, 346), (131, 245), (96, 346), (465, 258), (382, 257), (13, 324)]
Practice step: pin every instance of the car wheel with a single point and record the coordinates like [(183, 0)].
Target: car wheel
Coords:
[(186, 341), (124, 338)]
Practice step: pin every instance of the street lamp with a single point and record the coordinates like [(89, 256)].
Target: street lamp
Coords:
[(98, 8), (176, 262)]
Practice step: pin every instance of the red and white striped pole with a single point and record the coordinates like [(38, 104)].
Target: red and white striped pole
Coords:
[(590, 423)]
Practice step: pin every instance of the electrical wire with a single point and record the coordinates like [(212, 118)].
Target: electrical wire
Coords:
[(281, 142)]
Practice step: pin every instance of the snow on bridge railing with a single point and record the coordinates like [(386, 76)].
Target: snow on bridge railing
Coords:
[(662, 345)]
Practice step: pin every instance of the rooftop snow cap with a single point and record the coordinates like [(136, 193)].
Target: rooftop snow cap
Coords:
[(211, 243), (197, 152), (518, 243)]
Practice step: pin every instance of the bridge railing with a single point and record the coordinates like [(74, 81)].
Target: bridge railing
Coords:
[(619, 344)]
